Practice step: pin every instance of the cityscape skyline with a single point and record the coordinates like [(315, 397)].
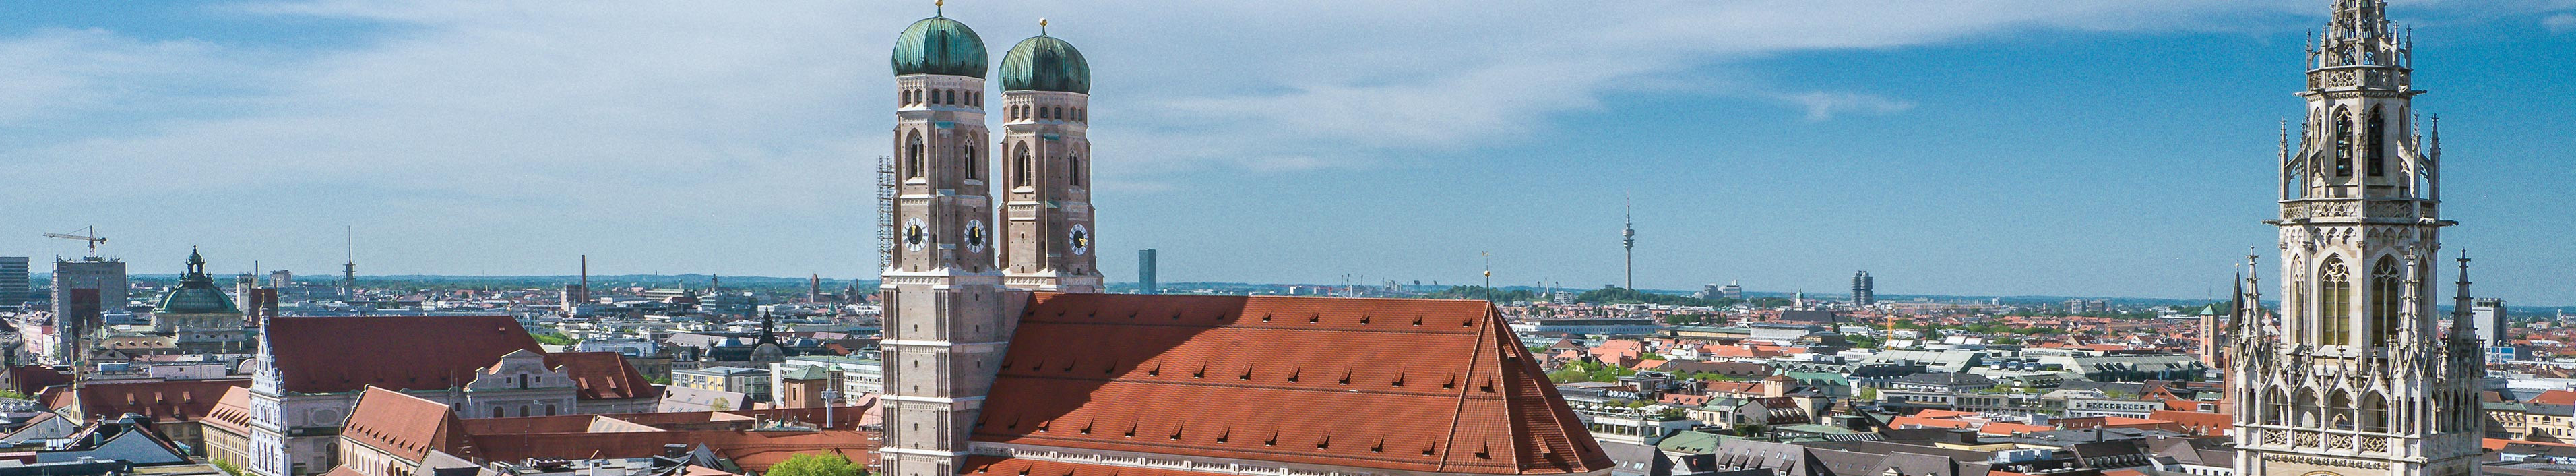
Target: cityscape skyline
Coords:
[(1990, 209)]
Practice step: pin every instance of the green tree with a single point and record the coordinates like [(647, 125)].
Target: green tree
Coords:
[(1752, 430), (817, 464), (721, 404), (550, 338), (228, 467), (1868, 394), (4, 393)]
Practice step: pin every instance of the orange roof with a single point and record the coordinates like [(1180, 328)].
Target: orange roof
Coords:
[(604, 375), (1937, 413), (337, 354), (1014, 466), (1201, 376), (166, 401), (2493, 444), (2001, 428), (232, 411), (343, 470), (2555, 397), (1905, 422), (403, 425), (334, 354)]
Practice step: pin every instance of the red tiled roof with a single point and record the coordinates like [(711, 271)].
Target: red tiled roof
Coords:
[(2001, 428), (337, 354), (2555, 397), (754, 450), (31, 379), (995, 465), (604, 375), (232, 411), (403, 425), (1907, 422), (343, 470), (163, 401), (1398, 384)]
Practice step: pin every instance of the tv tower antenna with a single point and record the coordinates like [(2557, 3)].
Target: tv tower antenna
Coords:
[(1628, 243)]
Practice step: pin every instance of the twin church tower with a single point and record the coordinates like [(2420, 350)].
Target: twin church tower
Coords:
[(947, 321)]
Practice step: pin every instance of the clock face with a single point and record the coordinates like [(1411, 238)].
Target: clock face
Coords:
[(914, 234), (974, 236), (1080, 239)]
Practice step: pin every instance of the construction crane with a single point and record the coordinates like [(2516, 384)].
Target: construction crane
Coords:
[(89, 234)]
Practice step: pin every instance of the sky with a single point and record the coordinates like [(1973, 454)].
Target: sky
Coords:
[(1965, 147)]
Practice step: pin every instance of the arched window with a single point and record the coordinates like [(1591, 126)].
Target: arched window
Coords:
[(2343, 143), (2387, 290), (974, 165), (497, 413), (2306, 403), (550, 409), (2275, 406), (1073, 170), (523, 410), (912, 156), (2374, 413), (2334, 301), (1020, 175), (2339, 408), (2371, 142)]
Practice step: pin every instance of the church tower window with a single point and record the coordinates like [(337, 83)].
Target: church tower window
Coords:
[(2372, 139), (912, 156), (2343, 143), (1020, 168), (2387, 288), (2334, 301)]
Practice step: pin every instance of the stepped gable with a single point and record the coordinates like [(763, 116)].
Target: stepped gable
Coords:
[(1390, 384), (403, 425), (335, 354)]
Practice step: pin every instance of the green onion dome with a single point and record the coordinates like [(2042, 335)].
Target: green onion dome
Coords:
[(938, 45), (1045, 63)]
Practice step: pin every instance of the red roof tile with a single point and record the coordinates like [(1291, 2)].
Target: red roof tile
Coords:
[(164, 401), (337, 354), (604, 375), (403, 425), (232, 411), (2554, 397), (32, 379), (995, 465), (1398, 384)]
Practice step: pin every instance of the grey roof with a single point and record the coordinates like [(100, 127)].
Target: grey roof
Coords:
[(1952, 379)]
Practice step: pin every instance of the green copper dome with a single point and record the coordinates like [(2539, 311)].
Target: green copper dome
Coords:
[(196, 293), (1045, 64), (938, 45)]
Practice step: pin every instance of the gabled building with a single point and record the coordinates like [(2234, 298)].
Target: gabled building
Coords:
[(310, 372)]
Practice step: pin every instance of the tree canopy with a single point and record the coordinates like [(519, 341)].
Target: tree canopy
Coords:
[(817, 464)]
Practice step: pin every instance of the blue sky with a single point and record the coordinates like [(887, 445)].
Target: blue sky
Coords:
[(2053, 147)]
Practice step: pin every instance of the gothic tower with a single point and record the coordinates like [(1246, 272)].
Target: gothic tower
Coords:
[(2351, 378), (1046, 168), (943, 299)]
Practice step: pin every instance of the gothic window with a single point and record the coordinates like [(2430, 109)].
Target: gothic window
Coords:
[(2387, 287), (2374, 413), (2334, 301), (2371, 139), (912, 156), (1020, 167), (1073, 170), (2275, 405), (2343, 143), (974, 168), (2339, 408)]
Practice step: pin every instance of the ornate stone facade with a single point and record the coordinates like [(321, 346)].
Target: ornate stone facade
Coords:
[(2350, 377)]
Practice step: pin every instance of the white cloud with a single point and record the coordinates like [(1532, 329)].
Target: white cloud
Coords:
[(505, 114), (2560, 23), (1822, 106)]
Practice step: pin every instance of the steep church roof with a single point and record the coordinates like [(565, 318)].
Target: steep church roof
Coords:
[(1393, 384)]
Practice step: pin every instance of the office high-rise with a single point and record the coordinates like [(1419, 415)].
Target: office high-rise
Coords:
[(1864, 290), (100, 285), (1145, 273), (13, 281)]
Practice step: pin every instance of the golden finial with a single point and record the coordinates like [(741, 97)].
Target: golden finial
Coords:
[(1042, 26), (939, 7)]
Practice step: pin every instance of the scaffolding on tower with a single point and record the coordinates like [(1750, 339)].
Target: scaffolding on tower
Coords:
[(887, 189)]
